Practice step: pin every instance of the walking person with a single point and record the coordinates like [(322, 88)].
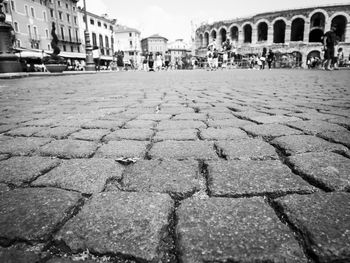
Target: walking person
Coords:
[(159, 61), (150, 62), (120, 60), (145, 62), (210, 59), (270, 58), (329, 42), (167, 59), (263, 58)]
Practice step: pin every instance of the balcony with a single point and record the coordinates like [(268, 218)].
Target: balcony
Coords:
[(70, 40)]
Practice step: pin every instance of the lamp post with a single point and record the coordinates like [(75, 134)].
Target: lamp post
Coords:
[(9, 62), (90, 65)]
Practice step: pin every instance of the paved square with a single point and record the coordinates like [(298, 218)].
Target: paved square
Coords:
[(176, 166)]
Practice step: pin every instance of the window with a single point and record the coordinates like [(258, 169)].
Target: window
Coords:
[(59, 3), (51, 13), (130, 43), (99, 23), (76, 35), (111, 28), (6, 8), (92, 22), (71, 49), (47, 33), (75, 20), (48, 47), (70, 34), (35, 32), (16, 26), (29, 31), (94, 40), (26, 9), (60, 15), (13, 5), (130, 34), (64, 48), (62, 32), (67, 6), (105, 26), (78, 49), (44, 15), (68, 18), (18, 43)]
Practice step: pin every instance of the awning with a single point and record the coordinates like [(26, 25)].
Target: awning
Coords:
[(72, 55), (106, 58)]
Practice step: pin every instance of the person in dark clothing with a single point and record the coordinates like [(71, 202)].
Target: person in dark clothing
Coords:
[(150, 61), (270, 58), (263, 58), (120, 60), (329, 42)]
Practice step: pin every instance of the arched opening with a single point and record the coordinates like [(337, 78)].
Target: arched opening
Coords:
[(262, 31), (279, 31), (316, 35), (206, 39), (247, 29), (297, 32), (234, 33), (314, 53), (340, 23), (318, 20), (222, 36), (213, 35)]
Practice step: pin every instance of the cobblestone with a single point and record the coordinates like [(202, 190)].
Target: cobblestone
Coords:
[(182, 166)]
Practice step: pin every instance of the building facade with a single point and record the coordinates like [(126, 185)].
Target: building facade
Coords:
[(31, 23), (292, 31), (101, 31), (129, 41), (154, 44), (178, 49)]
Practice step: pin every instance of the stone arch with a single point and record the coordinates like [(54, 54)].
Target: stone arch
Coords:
[(341, 22), (262, 29), (314, 53), (297, 29), (222, 36), (318, 10), (247, 32), (318, 20), (234, 32), (213, 34), (201, 40), (206, 39), (279, 31)]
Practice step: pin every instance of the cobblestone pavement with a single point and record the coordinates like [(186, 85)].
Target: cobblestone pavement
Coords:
[(187, 166)]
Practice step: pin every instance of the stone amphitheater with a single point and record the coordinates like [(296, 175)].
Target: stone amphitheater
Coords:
[(296, 31)]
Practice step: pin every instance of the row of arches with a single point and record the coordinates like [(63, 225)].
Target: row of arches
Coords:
[(316, 31)]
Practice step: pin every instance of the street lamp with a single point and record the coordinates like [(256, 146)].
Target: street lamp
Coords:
[(90, 65), (8, 61)]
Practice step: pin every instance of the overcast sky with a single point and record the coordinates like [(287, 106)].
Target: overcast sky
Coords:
[(172, 18)]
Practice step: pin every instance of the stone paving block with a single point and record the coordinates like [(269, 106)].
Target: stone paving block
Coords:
[(84, 175), (273, 119), (330, 170), (132, 224), (176, 135), (181, 150), (21, 145), (324, 222), (234, 230), (19, 170), (13, 255), (245, 149), (60, 132), (191, 116), (69, 149), (343, 121), (180, 124), (119, 149), (4, 156), (342, 137), (226, 123), (7, 127), (42, 122), (248, 178), (250, 114), (4, 188), (154, 117), (311, 115), (175, 110), (316, 126), (295, 144), (24, 131), (140, 124), (270, 131), (103, 124), (32, 214), (90, 134), (220, 115), (222, 134), (177, 178), (130, 134)]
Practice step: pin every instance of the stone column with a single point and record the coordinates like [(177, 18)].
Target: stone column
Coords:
[(254, 34), (270, 35), (288, 33), (306, 31), (240, 36), (347, 32)]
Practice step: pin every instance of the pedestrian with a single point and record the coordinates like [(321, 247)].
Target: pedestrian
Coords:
[(159, 61), (150, 62), (120, 60), (339, 60), (145, 62), (96, 54), (263, 58), (215, 59), (329, 42), (270, 58), (210, 58), (167, 59)]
